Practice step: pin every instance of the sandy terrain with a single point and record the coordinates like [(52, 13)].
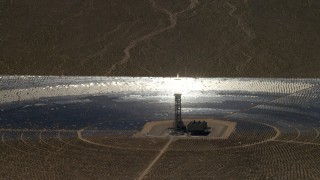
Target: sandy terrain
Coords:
[(197, 38), (219, 129)]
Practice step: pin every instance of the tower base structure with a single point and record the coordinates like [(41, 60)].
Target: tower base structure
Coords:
[(193, 128), (178, 126)]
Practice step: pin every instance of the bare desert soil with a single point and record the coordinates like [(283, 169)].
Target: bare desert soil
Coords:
[(198, 38)]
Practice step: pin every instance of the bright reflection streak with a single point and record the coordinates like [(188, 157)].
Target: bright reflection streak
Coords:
[(20, 88), (183, 85)]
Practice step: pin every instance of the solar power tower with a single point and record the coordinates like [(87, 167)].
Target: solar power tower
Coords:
[(178, 126)]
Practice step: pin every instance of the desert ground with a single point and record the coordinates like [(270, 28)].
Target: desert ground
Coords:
[(195, 38)]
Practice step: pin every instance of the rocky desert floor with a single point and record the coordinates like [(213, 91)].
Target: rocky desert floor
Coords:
[(195, 38)]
